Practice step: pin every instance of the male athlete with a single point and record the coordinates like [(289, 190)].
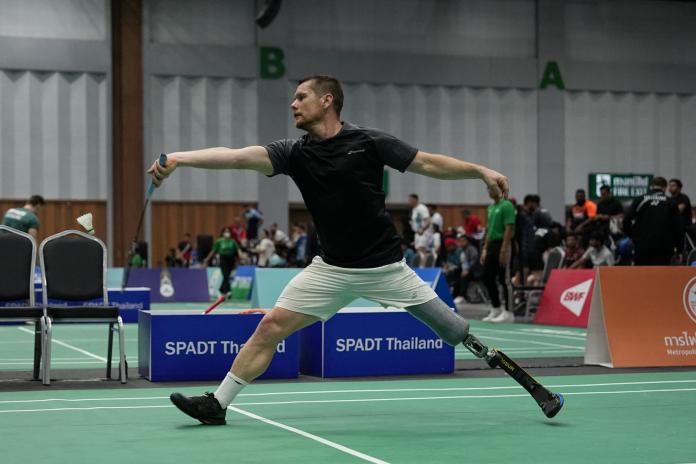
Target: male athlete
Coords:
[(338, 168)]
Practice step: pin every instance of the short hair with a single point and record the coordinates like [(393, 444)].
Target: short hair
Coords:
[(36, 200), (580, 191), (414, 196), (659, 181), (604, 187), (597, 235), (676, 181), (323, 84)]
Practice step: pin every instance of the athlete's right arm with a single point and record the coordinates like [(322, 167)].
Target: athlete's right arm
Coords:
[(254, 157)]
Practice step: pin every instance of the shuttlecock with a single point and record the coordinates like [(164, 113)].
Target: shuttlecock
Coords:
[(86, 221)]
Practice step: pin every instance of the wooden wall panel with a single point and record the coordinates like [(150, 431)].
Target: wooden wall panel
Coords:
[(171, 220), (59, 215)]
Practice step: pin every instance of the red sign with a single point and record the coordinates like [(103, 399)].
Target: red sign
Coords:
[(566, 298)]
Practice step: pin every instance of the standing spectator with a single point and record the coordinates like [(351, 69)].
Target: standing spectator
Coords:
[(299, 244), (683, 202), (579, 215), (435, 242), (25, 218), (435, 217), (265, 249), (609, 213), (420, 216), (496, 255), (655, 226), (596, 255), (254, 219), (185, 251), (238, 230), (572, 251), (227, 251)]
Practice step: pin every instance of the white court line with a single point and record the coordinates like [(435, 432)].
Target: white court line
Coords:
[(362, 400), (528, 332), (373, 390), (554, 332), (323, 441), (52, 363), (32, 359), (533, 342), (67, 345)]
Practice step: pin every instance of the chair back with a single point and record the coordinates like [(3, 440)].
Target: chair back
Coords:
[(553, 261), (73, 266), (18, 252)]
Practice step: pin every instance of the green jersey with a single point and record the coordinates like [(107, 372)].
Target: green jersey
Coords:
[(225, 246), (499, 215), (21, 219)]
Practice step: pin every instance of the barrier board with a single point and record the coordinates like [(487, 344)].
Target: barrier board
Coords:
[(566, 298), (185, 345), (373, 341), (643, 317)]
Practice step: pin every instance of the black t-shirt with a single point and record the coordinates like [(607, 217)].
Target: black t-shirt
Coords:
[(682, 199), (609, 206), (340, 179)]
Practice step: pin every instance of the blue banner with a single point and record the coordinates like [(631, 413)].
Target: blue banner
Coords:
[(129, 301), (172, 285), (181, 345), (371, 342)]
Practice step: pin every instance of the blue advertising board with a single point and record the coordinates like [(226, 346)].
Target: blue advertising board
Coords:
[(371, 342), (129, 301), (172, 285), (186, 345)]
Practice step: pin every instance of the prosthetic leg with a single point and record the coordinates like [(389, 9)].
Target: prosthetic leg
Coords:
[(549, 402), (454, 330)]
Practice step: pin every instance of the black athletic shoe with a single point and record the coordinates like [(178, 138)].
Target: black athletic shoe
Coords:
[(204, 408)]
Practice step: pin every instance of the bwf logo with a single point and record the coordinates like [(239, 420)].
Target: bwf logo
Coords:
[(689, 299), (573, 299)]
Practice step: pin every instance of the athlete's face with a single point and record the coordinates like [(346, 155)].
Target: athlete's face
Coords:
[(307, 106)]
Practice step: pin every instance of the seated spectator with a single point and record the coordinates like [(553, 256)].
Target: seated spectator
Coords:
[(408, 252), (573, 250), (596, 255), (472, 227), (171, 259), (264, 250), (580, 215), (185, 251), (423, 257), (470, 267)]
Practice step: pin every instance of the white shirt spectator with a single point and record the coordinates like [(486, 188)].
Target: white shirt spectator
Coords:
[(265, 250), (438, 220), (601, 257), (420, 217)]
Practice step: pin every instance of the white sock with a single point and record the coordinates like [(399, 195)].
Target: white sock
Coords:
[(228, 389)]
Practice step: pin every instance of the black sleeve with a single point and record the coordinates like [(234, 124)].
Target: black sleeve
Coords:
[(279, 153), (392, 151), (630, 216), (677, 226)]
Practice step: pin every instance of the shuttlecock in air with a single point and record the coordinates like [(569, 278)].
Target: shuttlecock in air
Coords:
[(86, 221)]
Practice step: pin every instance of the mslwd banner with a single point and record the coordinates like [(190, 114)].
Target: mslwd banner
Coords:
[(624, 187)]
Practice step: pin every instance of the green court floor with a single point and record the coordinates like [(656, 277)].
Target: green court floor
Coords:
[(617, 418), (78, 346)]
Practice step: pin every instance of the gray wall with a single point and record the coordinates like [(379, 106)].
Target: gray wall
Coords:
[(54, 99), (452, 76)]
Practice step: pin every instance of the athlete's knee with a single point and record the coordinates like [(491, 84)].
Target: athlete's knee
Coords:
[(447, 324), (271, 330)]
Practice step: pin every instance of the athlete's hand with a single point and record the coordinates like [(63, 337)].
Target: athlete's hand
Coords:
[(496, 182), (159, 172)]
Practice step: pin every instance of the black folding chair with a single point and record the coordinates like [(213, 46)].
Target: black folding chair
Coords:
[(18, 251), (73, 266), (529, 295)]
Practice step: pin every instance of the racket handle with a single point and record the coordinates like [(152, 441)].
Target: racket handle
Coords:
[(162, 162)]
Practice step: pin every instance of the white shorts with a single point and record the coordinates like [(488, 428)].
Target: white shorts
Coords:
[(322, 289)]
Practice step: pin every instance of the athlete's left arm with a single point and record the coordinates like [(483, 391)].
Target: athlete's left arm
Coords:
[(448, 168)]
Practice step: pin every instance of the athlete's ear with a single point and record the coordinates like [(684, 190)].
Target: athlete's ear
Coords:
[(326, 101)]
